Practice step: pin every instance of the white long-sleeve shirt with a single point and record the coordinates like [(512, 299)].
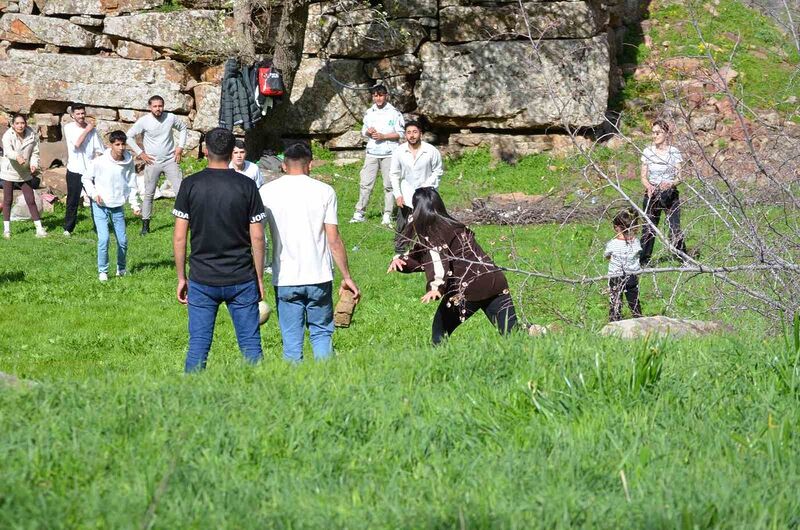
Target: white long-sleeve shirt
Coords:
[(113, 180), (385, 120), (158, 141), (80, 156), (409, 173)]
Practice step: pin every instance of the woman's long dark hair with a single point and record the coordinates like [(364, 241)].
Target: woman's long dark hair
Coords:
[(430, 217)]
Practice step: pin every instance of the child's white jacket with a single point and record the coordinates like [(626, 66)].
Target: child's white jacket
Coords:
[(113, 180)]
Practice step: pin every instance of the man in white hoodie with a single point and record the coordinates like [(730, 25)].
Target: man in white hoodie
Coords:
[(384, 126), (109, 180)]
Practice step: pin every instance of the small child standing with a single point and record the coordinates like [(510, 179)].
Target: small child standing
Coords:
[(623, 254), (109, 180)]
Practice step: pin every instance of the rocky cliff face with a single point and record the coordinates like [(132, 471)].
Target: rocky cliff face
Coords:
[(462, 64)]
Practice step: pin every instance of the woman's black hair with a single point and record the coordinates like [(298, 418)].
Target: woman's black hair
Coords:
[(430, 217), (19, 115)]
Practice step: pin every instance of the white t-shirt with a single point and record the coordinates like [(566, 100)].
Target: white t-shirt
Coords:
[(78, 158), (663, 167), (298, 208), (252, 171), (624, 256)]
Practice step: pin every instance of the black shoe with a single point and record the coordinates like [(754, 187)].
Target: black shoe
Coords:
[(145, 227)]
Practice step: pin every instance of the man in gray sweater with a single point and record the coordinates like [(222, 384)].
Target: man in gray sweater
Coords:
[(160, 154)]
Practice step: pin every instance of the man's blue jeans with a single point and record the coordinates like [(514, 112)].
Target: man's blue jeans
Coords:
[(204, 300), (101, 215), (301, 306)]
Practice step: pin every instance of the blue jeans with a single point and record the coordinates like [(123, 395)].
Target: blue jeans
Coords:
[(101, 215), (204, 300), (301, 306)]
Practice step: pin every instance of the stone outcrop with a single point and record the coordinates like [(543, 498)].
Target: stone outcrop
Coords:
[(571, 20), (190, 31), (505, 85), (28, 76), (96, 7), (461, 64), (319, 106), (32, 29)]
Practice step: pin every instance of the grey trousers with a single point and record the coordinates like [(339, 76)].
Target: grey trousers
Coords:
[(152, 172), (369, 174)]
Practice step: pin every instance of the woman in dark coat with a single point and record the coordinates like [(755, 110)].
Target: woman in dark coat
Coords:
[(459, 272)]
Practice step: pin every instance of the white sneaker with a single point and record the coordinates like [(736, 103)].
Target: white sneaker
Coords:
[(103, 277), (358, 217), (41, 232), (122, 272), (387, 219), (67, 233)]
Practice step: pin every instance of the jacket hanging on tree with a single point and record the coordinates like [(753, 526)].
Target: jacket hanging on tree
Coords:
[(241, 102)]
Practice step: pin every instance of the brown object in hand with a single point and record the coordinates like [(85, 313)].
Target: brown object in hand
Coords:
[(343, 312)]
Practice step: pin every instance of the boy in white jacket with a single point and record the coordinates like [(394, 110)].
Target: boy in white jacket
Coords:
[(109, 180), (384, 126)]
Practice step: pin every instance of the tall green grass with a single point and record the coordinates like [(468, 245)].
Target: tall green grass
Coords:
[(569, 430)]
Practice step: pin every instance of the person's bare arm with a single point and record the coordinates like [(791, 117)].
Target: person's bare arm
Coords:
[(179, 250), (339, 253), (645, 173), (257, 244), (86, 130)]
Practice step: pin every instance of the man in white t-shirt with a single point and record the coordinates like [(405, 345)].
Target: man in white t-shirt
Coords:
[(241, 165), (83, 145), (302, 218)]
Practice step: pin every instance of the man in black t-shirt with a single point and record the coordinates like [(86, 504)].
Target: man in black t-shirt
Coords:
[(223, 211)]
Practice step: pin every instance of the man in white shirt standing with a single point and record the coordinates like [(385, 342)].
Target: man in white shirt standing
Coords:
[(110, 180), (383, 125), (160, 153), (302, 217), (415, 164), (83, 145), (240, 163)]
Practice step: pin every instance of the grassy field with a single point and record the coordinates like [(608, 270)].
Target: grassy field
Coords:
[(571, 430)]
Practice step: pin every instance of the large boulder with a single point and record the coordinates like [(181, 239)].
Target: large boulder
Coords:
[(34, 29), (636, 328), (376, 39), (544, 20), (190, 31), (95, 7), (207, 98), (320, 105), (133, 50), (507, 85), (410, 8), (392, 66), (27, 76)]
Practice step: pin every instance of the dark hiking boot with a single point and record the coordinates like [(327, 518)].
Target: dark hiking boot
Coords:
[(145, 227)]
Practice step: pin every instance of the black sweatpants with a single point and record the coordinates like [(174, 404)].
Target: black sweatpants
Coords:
[(400, 242), (499, 310), (629, 286), (669, 202), (74, 188)]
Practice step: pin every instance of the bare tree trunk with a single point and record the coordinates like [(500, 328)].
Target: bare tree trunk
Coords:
[(243, 20), (287, 57)]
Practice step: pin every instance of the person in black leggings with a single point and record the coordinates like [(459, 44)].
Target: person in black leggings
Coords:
[(660, 175), (459, 273)]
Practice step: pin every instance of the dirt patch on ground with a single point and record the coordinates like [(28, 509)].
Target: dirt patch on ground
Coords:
[(523, 209)]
